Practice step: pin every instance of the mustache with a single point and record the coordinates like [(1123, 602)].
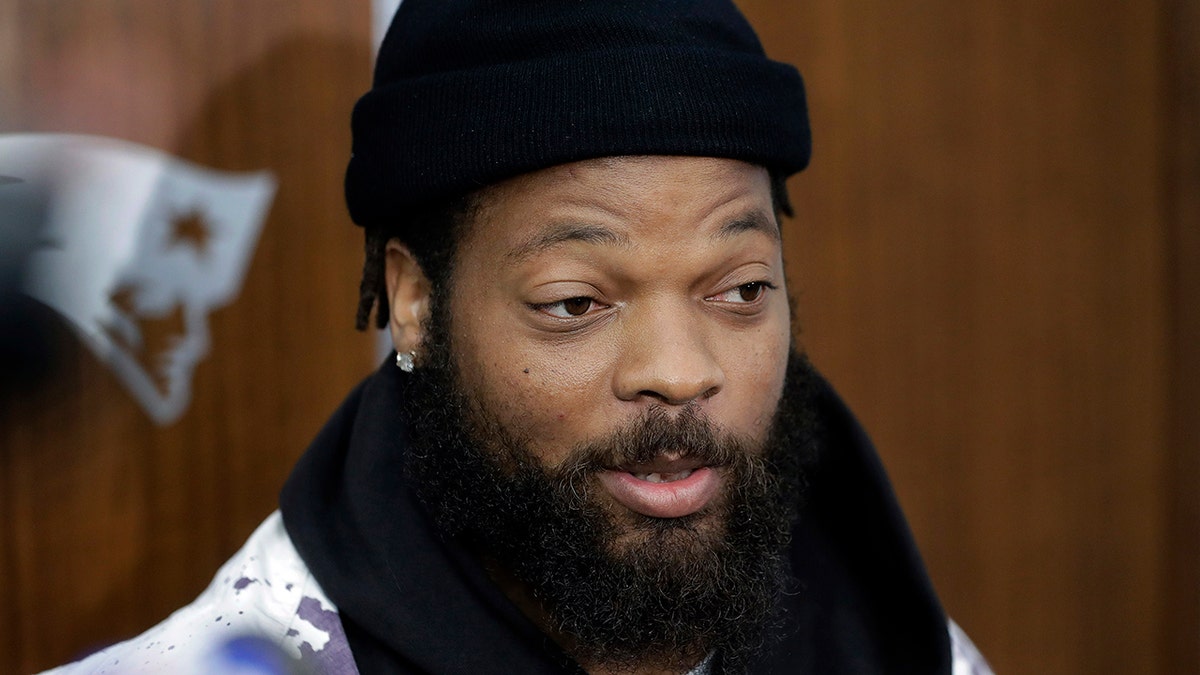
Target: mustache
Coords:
[(686, 435)]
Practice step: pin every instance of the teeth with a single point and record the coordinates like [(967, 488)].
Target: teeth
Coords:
[(663, 477)]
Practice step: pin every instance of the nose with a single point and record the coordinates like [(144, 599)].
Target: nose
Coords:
[(667, 358)]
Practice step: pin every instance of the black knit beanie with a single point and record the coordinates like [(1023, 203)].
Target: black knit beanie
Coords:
[(470, 92)]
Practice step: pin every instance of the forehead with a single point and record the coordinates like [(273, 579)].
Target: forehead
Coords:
[(620, 201)]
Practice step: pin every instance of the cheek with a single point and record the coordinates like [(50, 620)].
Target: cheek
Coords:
[(558, 397), (541, 394), (757, 381)]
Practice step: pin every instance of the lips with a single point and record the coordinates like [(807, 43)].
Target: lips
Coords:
[(665, 488)]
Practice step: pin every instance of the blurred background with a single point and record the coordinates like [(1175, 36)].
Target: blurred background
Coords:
[(996, 259)]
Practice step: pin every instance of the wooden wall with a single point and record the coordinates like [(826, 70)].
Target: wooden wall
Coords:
[(108, 521), (995, 259), (1181, 57)]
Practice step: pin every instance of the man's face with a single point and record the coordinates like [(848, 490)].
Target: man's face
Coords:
[(587, 294), (605, 408)]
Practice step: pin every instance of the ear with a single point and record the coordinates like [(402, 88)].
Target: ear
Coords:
[(408, 297)]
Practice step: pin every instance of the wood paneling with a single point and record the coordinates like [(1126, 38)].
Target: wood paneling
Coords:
[(1181, 590), (110, 521), (982, 260)]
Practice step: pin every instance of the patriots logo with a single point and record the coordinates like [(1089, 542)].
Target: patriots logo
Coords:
[(136, 249)]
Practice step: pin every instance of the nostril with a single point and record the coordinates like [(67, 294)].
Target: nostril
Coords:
[(678, 398)]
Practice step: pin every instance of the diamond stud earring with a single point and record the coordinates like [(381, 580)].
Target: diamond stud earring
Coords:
[(404, 361)]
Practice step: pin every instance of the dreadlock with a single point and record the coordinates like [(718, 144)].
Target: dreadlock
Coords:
[(432, 235), (372, 287)]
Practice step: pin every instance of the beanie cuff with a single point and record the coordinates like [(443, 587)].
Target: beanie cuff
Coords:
[(444, 134)]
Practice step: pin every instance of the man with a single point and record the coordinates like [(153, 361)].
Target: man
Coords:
[(597, 449)]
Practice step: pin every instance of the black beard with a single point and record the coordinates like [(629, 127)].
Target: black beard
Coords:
[(634, 589)]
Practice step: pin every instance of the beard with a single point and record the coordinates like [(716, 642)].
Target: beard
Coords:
[(618, 588)]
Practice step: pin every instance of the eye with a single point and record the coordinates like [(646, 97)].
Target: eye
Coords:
[(744, 294), (750, 292), (569, 308)]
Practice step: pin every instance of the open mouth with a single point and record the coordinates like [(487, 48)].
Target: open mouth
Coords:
[(663, 488), (662, 477)]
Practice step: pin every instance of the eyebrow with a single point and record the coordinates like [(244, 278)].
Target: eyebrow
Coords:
[(753, 221), (565, 232)]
